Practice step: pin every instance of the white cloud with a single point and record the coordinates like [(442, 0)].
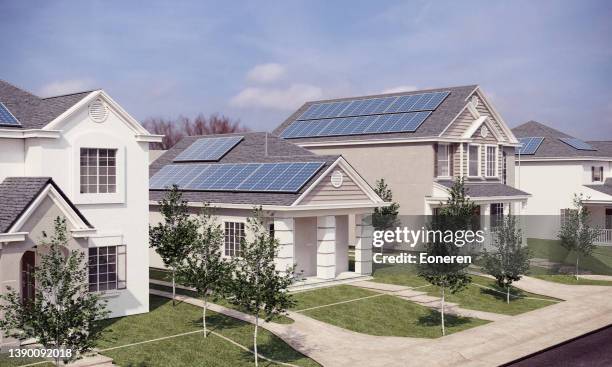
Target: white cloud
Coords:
[(277, 98), (65, 87), (266, 73), (400, 88)]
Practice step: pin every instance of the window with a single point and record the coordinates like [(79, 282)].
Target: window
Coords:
[(504, 168), (597, 174), (271, 230), (443, 160), (234, 235), (473, 160), (107, 267), (566, 214), (497, 215), (491, 161), (98, 171)]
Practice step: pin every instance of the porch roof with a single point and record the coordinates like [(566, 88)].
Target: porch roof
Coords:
[(606, 188), (488, 189)]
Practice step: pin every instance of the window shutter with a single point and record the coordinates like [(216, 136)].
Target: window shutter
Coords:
[(601, 177), (436, 160), (121, 267), (592, 173)]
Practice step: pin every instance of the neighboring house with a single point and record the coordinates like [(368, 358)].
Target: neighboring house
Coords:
[(315, 205), (418, 142), (81, 157), (553, 166)]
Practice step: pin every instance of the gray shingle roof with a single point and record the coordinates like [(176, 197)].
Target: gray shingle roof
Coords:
[(552, 147), (34, 112), (250, 150), (606, 188), (432, 127), (487, 189), (18, 193)]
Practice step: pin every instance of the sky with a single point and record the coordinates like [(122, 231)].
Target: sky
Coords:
[(258, 61)]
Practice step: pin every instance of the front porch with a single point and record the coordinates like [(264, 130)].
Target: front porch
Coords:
[(601, 218)]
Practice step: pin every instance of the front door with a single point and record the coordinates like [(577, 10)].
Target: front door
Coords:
[(28, 262), (608, 218)]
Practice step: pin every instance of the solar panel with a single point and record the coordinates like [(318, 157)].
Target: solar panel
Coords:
[(208, 149), (6, 117), (577, 143), (528, 145), (258, 177), (374, 124), (377, 105)]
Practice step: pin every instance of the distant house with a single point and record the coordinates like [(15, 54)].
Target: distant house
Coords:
[(553, 166), (419, 142), (315, 205), (82, 157)]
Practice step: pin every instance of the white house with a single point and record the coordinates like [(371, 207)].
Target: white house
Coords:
[(315, 205), (83, 157), (553, 166)]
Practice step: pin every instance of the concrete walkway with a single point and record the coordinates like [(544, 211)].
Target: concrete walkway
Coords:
[(587, 308)]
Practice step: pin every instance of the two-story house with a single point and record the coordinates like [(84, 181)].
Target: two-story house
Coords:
[(84, 158), (419, 142), (553, 166)]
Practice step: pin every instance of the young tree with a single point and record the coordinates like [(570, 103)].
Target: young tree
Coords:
[(510, 260), (204, 268), (455, 215), (385, 217), (173, 237), (576, 233), (258, 287), (63, 313)]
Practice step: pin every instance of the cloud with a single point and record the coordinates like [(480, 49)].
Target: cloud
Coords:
[(400, 88), (65, 87), (277, 98), (266, 73)]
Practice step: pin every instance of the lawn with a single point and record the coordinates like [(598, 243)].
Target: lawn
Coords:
[(545, 274), (165, 320), (381, 315), (5, 361), (599, 262), (475, 296)]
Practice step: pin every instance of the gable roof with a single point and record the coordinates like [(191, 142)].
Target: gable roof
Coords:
[(251, 149), (433, 126), (552, 147), (34, 112), (18, 193)]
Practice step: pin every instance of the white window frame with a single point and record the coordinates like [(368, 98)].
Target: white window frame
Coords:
[(469, 161), (119, 263), (446, 146), (599, 169), (236, 249), (495, 162), (110, 187)]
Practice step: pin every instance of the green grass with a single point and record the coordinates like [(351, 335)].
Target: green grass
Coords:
[(6, 361), (220, 301), (545, 274), (165, 320), (599, 262), (327, 296), (160, 274), (472, 297)]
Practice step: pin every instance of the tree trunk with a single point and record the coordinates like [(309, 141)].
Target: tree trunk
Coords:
[(204, 314), (442, 313), (255, 338), (173, 288), (577, 257), (508, 294)]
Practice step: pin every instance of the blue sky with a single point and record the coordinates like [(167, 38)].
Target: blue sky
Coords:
[(258, 61)]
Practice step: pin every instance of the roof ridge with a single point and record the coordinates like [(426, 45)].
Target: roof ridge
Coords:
[(70, 94), (19, 88)]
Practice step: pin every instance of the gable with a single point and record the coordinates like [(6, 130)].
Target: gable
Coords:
[(326, 193)]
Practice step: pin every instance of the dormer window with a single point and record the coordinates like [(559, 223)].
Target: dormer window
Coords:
[(443, 160), (98, 171), (597, 174)]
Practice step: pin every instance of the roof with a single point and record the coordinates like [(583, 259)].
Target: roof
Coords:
[(606, 188), (18, 193), (433, 126), (487, 189), (32, 111), (252, 149), (552, 147)]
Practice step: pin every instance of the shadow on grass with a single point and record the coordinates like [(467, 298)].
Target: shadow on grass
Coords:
[(434, 318), (500, 293), (276, 349)]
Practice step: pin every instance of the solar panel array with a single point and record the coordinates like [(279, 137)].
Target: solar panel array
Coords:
[(577, 143), (6, 117), (529, 145), (263, 177), (208, 149), (365, 116)]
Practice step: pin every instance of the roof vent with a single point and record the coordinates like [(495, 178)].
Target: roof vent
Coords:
[(98, 111)]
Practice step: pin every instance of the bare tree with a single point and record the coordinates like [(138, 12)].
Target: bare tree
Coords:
[(176, 129)]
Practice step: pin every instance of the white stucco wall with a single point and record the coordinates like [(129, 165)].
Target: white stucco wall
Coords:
[(11, 158)]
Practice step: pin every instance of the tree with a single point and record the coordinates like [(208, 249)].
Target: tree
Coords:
[(204, 268), (455, 215), (174, 130), (576, 234), (385, 217), (510, 260), (63, 313), (173, 237), (258, 287)]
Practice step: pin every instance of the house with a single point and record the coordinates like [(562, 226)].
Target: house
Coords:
[(419, 142), (82, 157), (574, 166), (315, 205)]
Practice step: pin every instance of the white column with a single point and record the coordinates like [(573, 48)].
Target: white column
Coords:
[(363, 246), (284, 233), (326, 247)]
